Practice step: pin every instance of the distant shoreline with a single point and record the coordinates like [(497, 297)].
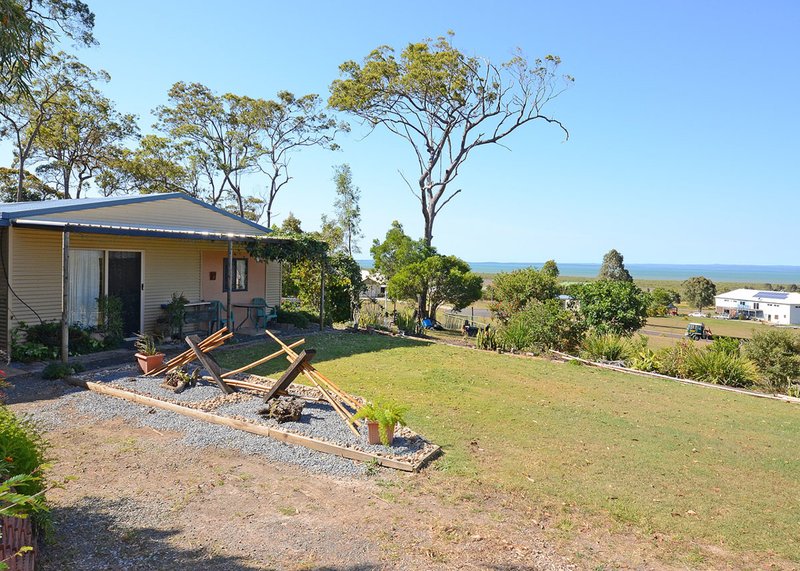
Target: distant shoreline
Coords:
[(740, 274)]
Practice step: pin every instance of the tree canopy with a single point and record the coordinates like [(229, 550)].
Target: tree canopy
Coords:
[(610, 306), (28, 31), (613, 268), (699, 291), (397, 251), (512, 291), (438, 279), (446, 104)]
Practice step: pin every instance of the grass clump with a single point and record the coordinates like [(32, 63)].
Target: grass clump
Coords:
[(57, 370), (605, 347)]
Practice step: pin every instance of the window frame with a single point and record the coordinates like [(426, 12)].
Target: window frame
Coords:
[(235, 266)]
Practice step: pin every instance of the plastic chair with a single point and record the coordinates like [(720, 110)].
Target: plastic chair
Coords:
[(263, 311), (220, 317)]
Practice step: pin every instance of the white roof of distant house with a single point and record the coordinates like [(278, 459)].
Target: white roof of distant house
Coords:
[(373, 276), (743, 294)]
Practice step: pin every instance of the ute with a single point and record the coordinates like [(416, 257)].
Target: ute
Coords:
[(698, 331)]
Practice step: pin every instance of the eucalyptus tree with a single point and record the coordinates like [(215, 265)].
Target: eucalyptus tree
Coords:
[(82, 137), (23, 114), (291, 123), (220, 135), (348, 210), (29, 29), (446, 104)]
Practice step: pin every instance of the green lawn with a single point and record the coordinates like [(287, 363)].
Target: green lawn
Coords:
[(729, 327), (696, 464)]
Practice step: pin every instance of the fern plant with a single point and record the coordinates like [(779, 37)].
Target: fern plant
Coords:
[(386, 413)]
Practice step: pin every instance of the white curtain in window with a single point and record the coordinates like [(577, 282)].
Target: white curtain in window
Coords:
[(85, 269)]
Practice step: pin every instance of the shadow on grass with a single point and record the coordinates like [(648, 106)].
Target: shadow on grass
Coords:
[(120, 534), (329, 346)]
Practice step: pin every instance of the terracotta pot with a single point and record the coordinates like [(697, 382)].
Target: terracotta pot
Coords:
[(374, 433), (149, 363)]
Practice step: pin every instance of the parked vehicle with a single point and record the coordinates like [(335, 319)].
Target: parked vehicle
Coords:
[(697, 331)]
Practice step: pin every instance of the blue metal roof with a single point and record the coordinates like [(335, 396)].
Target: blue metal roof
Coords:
[(13, 210)]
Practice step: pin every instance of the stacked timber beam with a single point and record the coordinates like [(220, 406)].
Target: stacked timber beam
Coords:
[(210, 343), (339, 400)]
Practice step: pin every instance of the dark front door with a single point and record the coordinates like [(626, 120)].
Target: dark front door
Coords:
[(125, 282)]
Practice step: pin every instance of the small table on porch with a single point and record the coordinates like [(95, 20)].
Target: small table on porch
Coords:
[(251, 308)]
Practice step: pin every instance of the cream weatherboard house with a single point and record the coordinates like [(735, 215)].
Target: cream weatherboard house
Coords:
[(139, 248)]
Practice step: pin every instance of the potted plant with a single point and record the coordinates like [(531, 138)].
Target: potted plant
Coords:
[(382, 417), (147, 353)]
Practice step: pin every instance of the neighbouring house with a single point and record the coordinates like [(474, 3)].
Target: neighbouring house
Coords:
[(141, 249), (779, 307), (374, 284)]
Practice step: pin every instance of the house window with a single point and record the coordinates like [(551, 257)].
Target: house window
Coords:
[(239, 274)]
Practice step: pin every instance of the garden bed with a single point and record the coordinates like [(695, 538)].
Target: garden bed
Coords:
[(320, 428)]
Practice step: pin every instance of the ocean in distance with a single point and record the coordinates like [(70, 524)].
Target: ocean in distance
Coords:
[(714, 272)]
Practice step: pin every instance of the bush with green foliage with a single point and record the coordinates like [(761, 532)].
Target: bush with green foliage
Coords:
[(541, 326), (437, 279), (641, 357), (487, 339), (611, 306), (22, 450), (370, 315), (728, 345), (776, 355), (699, 291), (175, 312), (407, 323), (659, 300), (721, 368), (674, 360), (510, 292), (58, 370), (299, 318), (605, 347), (42, 341)]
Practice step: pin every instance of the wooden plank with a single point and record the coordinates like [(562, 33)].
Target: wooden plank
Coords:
[(262, 360), (209, 363), (291, 373), (288, 437)]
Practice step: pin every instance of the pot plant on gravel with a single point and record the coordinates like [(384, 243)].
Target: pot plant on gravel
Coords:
[(147, 354), (382, 418)]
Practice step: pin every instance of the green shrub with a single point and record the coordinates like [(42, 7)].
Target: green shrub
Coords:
[(57, 370), (299, 318), (727, 345), (22, 450), (644, 359), (541, 326), (674, 360), (43, 341), (407, 323), (487, 339), (515, 335), (370, 315), (776, 355), (605, 347), (721, 368)]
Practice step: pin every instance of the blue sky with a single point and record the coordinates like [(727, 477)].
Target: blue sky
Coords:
[(683, 118)]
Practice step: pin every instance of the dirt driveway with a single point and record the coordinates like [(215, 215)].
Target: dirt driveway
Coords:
[(136, 497)]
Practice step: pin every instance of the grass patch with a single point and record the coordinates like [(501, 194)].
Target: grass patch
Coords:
[(694, 464)]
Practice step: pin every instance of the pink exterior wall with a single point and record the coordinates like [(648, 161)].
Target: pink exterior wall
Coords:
[(212, 289)]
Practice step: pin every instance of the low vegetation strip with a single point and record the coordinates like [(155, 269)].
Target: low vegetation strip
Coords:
[(696, 466)]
